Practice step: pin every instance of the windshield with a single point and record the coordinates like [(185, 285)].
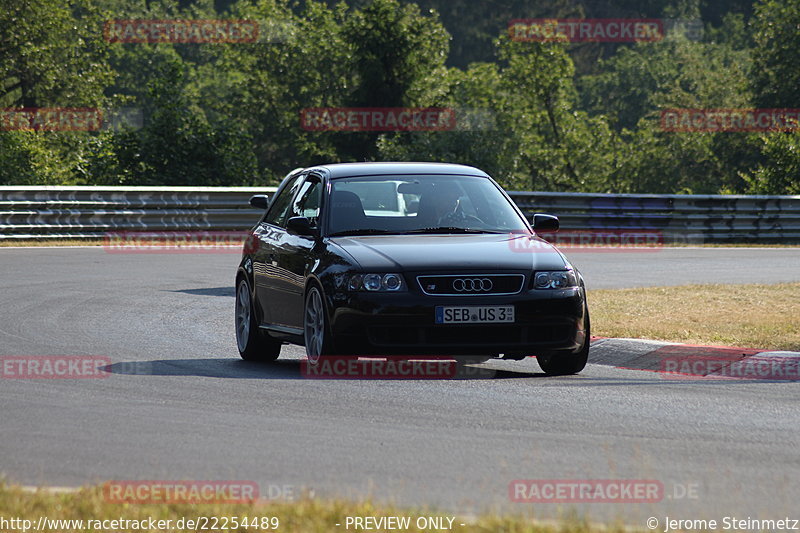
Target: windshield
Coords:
[(419, 204)]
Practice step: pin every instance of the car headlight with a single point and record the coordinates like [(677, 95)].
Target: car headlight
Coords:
[(558, 279), (376, 282)]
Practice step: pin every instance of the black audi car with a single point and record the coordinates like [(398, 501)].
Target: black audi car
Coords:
[(406, 259)]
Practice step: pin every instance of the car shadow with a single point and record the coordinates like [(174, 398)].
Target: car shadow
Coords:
[(231, 368), (210, 291), (297, 369), (210, 367)]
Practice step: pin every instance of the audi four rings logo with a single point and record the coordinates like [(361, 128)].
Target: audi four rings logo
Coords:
[(472, 285)]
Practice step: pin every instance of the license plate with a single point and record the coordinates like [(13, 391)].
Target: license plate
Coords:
[(474, 314)]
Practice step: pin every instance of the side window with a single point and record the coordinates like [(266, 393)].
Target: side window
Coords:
[(279, 207), (307, 201)]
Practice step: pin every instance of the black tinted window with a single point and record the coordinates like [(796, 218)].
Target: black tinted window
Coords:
[(281, 203), (307, 202)]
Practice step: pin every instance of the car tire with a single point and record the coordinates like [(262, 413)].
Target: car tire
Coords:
[(253, 344), (316, 333), (566, 363)]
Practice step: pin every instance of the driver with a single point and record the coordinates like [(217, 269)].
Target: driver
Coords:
[(447, 205)]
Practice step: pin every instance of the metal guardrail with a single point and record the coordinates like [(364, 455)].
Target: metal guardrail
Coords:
[(689, 218), (92, 212)]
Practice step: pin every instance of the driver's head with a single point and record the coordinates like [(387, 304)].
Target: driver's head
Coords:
[(446, 197)]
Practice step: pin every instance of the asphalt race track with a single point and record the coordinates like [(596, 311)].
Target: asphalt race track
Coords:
[(180, 404)]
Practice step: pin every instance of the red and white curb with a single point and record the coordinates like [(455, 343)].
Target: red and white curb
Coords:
[(694, 361)]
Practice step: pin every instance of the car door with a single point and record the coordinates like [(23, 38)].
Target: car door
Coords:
[(295, 255), (270, 233)]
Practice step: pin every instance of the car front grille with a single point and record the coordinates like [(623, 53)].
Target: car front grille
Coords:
[(470, 284)]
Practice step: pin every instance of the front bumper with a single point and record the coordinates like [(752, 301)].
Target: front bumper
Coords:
[(402, 323)]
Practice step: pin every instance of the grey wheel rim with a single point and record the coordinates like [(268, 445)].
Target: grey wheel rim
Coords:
[(314, 329), (242, 316)]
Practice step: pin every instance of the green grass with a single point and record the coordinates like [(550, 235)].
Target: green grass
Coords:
[(5, 243), (306, 515)]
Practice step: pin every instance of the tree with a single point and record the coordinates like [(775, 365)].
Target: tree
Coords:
[(780, 171), (52, 54), (385, 55), (641, 81), (398, 54), (398, 59), (481, 135), (176, 145), (675, 72), (533, 138), (776, 84), (776, 63)]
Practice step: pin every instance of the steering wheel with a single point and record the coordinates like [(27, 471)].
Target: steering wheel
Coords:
[(454, 219)]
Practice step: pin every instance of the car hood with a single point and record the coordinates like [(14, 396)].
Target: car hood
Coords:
[(410, 253)]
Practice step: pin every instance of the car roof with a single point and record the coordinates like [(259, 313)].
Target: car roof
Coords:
[(348, 170)]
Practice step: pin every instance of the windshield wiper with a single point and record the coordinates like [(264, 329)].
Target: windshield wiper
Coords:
[(449, 229), (366, 231)]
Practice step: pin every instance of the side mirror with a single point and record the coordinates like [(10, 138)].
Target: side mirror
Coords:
[(545, 223), (260, 201), (300, 226)]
